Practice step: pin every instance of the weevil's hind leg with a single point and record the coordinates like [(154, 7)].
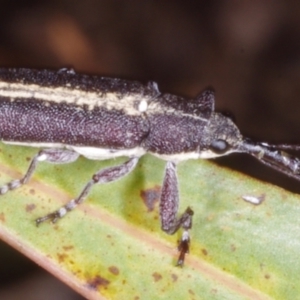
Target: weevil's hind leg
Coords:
[(56, 156), (102, 176), (169, 201)]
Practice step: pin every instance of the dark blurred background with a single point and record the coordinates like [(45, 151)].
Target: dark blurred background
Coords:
[(248, 51)]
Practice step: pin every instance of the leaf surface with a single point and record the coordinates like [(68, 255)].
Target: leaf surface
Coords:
[(111, 247)]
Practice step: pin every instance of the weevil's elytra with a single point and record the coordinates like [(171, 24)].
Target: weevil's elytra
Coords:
[(68, 114)]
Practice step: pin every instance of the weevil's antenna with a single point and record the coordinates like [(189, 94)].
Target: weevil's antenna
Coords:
[(274, 156), (292, 147)]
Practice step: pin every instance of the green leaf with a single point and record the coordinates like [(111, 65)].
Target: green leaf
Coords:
[(111, 247)]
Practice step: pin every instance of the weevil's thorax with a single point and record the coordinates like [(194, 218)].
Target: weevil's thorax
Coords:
[(176, 127)]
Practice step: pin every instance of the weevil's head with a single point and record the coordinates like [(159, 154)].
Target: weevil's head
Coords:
[(221, 137)]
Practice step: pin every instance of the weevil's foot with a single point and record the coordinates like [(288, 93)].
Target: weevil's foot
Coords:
[(183, 247), (14, 184), (53, 217), (58, 214)]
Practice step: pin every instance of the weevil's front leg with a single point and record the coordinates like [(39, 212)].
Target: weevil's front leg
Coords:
[(169, 201), (55, 156), (103, 176)]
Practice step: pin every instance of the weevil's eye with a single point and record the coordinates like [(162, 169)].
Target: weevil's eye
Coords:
[(219, 146)]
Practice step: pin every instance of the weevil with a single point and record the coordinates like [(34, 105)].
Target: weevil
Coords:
[(67, 115)]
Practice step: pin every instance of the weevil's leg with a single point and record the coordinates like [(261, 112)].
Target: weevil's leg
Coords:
[(169, 201), (56, 156), (103, 176)]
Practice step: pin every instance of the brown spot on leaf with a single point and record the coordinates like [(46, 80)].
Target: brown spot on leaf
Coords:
[(32, 192), (30, 207), (191, 292), (150, 197), (62, 257), (97, 282), (174, 277), (204, 251), (267, 276), (114, 270), (156, 276), (232, 247), (67, 248), (2, 217)]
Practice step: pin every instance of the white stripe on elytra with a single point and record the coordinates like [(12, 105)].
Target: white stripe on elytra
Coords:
[(130, 103)]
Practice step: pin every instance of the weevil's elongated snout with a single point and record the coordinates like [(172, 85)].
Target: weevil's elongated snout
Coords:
[(274, 156)]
